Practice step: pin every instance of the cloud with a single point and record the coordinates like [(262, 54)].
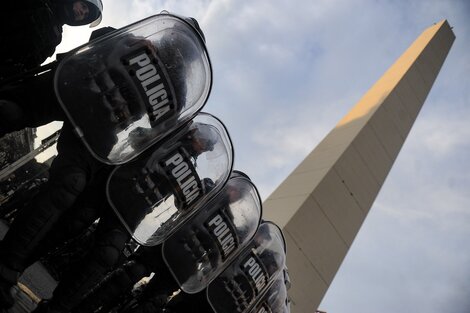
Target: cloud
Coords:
[(444, 139)]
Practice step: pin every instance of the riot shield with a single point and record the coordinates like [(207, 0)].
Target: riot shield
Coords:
[(198, 251), (159, 190), (129, 88), (242, 284), (275, 300)]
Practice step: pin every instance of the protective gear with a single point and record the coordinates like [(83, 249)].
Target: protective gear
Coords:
[(244, 211), (208, 184), (101, 32), (154, 194), (39, 105), (20, 71), (275, 300), (69, 174), (106, 245), (245, 281), (195, 24), (110, 240), (30, 102), (30, 32), (191, 21), (240, 174), (119, 282), (70, 171), (241, 285), (74, 14), (37, 30), (208, 137), (206, 243), (134, 86)]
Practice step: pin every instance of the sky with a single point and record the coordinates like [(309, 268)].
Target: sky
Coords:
[(286, 71)]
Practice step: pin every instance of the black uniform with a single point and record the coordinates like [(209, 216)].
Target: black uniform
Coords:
[(120, 282), (110, 240), (30, 102), (70, 172), (30, 30), (149, 259)]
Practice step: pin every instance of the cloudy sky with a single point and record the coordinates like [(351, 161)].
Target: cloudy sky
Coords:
[(286, 71)]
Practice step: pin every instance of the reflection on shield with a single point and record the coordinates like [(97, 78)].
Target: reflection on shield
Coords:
[(246, 280), (163, 187), (127, 90), (212, 238)]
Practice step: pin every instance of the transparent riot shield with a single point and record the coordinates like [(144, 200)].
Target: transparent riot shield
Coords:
[(275, 300), (199, 250), (129, 88), (242, 284), (159, 190)]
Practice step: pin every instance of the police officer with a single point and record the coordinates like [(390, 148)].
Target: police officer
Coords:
[(30, 30), (235, 292), (110, 239), (148, 259), (72, 170), (119, 282)]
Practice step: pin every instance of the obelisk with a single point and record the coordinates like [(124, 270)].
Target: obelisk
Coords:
[(322, 204)]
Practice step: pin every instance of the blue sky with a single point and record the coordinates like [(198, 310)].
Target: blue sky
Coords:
[(286, 71)]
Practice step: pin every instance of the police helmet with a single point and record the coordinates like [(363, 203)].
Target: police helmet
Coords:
[(207, 135), (208, 184), (191, 21), (237, 173), (93, 17)]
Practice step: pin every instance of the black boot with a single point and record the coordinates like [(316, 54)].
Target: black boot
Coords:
[(8, 278)]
